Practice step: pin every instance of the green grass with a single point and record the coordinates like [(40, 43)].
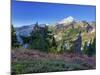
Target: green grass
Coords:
[(40, 66)]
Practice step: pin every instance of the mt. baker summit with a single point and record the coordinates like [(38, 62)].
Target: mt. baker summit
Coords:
[(67, 20)]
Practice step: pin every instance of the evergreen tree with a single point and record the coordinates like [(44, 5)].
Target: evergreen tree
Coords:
[(86, 24), (14, 41), (41, 38), (54, 42), (94, 46), (90, 50), (25, 39), (85, 48), (35, 37)]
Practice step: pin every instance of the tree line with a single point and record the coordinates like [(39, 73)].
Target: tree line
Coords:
[(43, 39)]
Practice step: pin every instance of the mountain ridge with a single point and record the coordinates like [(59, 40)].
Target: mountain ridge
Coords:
[(63, 24)]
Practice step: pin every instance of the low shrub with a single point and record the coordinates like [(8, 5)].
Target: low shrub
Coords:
[(39, 66)]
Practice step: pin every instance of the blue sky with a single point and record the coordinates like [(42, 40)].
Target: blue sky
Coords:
[(26, 13)]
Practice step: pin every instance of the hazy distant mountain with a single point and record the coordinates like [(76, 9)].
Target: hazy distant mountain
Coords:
[(24, 30)]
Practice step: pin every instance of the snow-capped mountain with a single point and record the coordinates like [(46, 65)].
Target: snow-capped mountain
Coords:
[(67, 20)]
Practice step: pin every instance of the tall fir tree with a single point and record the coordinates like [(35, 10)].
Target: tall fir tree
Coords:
[(14, 41), (90, 50), (40, 38)]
